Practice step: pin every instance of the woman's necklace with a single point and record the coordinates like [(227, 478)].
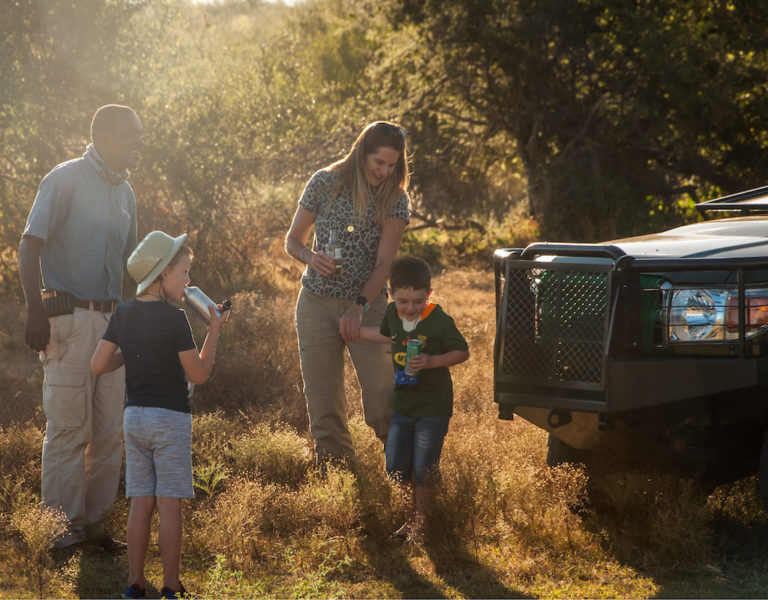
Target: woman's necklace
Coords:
[(153, 295)]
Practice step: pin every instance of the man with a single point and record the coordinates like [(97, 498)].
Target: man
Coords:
[(80, 231)]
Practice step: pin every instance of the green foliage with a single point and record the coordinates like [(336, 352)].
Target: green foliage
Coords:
[(426, 246), (601, 119), (472, 244), (208, 476), (318, 582), (603, 104), (226, 583), (241, 102)]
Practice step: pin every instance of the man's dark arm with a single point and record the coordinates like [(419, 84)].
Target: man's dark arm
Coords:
[(37, 330)]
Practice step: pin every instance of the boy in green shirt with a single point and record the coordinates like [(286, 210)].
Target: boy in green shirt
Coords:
[(421, 411)]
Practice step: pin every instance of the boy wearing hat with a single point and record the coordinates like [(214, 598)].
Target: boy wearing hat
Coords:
[(154, 341)]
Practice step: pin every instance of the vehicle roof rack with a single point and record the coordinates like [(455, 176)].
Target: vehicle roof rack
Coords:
[(753, 201)]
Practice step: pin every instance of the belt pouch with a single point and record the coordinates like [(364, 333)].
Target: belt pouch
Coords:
[(55, 303)]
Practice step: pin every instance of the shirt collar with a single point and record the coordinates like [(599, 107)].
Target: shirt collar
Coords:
[(94, 159), (430, 306)]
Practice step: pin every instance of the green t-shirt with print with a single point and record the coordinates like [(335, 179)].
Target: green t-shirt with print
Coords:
[(433, 396)]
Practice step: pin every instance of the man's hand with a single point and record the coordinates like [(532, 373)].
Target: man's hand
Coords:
[(37, 331)]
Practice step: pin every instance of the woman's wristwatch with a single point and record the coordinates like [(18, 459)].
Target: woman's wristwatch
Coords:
[(362, 301)]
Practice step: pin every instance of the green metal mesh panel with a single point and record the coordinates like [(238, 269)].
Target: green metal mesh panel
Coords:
[(556, 324)]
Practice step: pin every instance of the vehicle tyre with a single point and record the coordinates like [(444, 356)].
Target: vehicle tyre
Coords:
[(762, 474), (558, 452)]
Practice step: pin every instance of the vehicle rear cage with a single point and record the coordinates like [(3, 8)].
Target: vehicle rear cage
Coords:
[(555, 320)]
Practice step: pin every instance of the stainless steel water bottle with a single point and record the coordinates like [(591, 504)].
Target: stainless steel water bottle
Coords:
[(195, 297)]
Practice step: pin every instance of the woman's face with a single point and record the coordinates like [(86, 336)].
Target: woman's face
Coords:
[(380, 164), (176, 278)]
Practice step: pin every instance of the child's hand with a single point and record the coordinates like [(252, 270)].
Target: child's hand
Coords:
[(420, 362), (217, 321), (434, 361), (349, 324)]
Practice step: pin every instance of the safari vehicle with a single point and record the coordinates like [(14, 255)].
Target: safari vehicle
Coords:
[(654, 345)]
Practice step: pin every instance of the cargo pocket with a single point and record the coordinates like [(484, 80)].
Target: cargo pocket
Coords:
[(58, 344), (64, 398)]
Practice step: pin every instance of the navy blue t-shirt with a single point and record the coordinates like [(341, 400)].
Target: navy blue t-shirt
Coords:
[(150, 336)]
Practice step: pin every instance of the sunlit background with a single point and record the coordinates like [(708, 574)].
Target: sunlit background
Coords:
[(527, 121)]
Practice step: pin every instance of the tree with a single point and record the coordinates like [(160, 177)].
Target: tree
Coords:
[(612, 106), (50, 84), (240, 100)]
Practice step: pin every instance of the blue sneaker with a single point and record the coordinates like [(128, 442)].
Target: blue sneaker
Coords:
[(167, 592), (134, 591)]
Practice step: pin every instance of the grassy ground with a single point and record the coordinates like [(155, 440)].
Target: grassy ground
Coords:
[(264, 524)]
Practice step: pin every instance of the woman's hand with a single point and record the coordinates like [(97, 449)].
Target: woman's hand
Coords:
[(322, 264), (349, 324), (296, 240)]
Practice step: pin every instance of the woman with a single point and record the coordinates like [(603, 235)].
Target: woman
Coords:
[(359, 203)]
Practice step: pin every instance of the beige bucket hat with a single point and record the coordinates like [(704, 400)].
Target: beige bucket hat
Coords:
[(151, 256)]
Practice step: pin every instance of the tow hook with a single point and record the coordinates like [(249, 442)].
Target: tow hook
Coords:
[(557, 417)]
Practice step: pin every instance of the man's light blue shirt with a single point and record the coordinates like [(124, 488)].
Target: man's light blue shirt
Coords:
[(88, 225)]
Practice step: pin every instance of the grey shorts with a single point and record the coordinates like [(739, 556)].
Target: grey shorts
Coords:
[(158, 452)]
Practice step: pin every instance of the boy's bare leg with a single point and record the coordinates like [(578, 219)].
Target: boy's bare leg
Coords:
[(137, 536), (170, 540), (405, 528)]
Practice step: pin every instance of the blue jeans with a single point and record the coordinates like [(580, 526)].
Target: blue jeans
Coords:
[(413, 447)]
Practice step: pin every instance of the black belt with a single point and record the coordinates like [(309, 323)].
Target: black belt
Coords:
[(97, 305)]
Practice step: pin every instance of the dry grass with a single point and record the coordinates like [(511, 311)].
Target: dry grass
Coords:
[(265, 523), (39, 527)]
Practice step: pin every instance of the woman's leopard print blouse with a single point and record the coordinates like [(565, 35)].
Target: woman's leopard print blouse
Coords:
[(359, 237)]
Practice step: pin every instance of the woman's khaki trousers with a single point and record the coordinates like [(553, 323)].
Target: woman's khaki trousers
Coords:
[(321, 351)]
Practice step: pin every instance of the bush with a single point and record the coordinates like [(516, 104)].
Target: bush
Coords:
[(652, 518), (276, 454), (20, 451), (234, 525), (39, 526), (257, 366)]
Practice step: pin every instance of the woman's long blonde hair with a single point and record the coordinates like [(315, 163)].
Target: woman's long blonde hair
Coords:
[(351, 169)]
